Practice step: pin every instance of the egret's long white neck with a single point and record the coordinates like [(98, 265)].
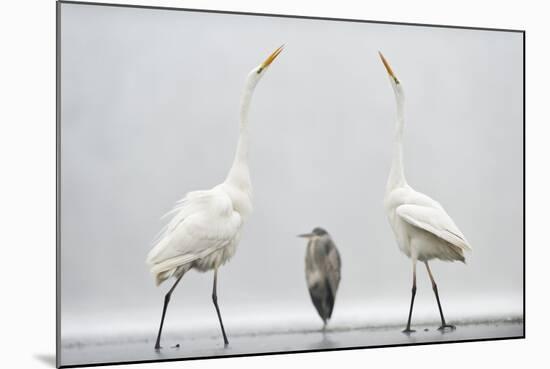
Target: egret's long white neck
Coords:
[(239, 175), (397, 173)]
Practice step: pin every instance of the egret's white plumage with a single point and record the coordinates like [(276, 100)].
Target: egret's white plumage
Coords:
[(206, 226), (422, 228), (203, 234)]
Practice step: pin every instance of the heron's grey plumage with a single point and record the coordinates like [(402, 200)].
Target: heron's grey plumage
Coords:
[(323, 271)]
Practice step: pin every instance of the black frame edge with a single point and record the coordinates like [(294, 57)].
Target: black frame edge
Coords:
[(58, 184), (278, 15)]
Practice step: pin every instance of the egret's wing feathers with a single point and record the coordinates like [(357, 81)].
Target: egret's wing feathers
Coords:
[(203, 223), (175, 261), (182, 209), (435, 220)]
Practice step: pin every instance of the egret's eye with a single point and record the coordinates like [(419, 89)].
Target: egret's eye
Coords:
[(259, 70)]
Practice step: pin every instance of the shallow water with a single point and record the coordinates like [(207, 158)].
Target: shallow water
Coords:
[(141, 349)]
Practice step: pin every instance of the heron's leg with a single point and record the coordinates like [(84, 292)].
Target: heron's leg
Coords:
[(215, 300), (434, 286), (408, 329), (166, 301)]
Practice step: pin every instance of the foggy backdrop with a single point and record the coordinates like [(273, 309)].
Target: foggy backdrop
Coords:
[(150, 111)]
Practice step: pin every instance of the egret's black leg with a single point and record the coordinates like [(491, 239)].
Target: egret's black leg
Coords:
[(434, 286), (215, 300), (166, 301), (408, 329)]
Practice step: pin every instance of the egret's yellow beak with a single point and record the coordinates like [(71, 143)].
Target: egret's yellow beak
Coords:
[(388, 68), (272, 57), (306, 235)]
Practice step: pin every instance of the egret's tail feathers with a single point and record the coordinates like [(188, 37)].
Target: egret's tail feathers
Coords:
[(450, 252), (167, 274), (163, 269), (162, 276), (458, 253)]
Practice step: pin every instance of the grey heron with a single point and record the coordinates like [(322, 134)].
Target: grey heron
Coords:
[(323, 271)]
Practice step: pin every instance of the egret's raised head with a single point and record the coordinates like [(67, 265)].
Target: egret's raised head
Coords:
[(317, 232), (263, 67), (256, 74), (396, 84)]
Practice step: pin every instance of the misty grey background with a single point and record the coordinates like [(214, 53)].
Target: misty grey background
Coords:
[(150, 111)]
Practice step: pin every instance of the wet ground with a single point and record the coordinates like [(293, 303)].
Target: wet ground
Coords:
[(141, 349)]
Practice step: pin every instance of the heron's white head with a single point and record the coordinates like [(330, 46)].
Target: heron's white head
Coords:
[(395, 82), (258, 72)]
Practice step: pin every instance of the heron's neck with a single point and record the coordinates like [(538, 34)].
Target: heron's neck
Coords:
[(397, 173), (239, 175)]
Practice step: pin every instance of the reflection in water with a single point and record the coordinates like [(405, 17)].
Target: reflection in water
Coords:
[(141, 349)]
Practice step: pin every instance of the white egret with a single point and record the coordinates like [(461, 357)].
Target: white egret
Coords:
[(206, 225), (323, 267), (422, 228)]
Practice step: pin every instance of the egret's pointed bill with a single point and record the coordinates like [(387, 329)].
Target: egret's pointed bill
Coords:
[(306, 235), (388, 67), (272, 57)]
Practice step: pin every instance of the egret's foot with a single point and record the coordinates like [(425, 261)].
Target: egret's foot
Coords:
[(157, 347), (446, 328), (408, 331), (225, 344), (177, 345)]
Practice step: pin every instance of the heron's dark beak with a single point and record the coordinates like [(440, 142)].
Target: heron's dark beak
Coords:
[(306, 235), (388, 67), (272, 57)]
